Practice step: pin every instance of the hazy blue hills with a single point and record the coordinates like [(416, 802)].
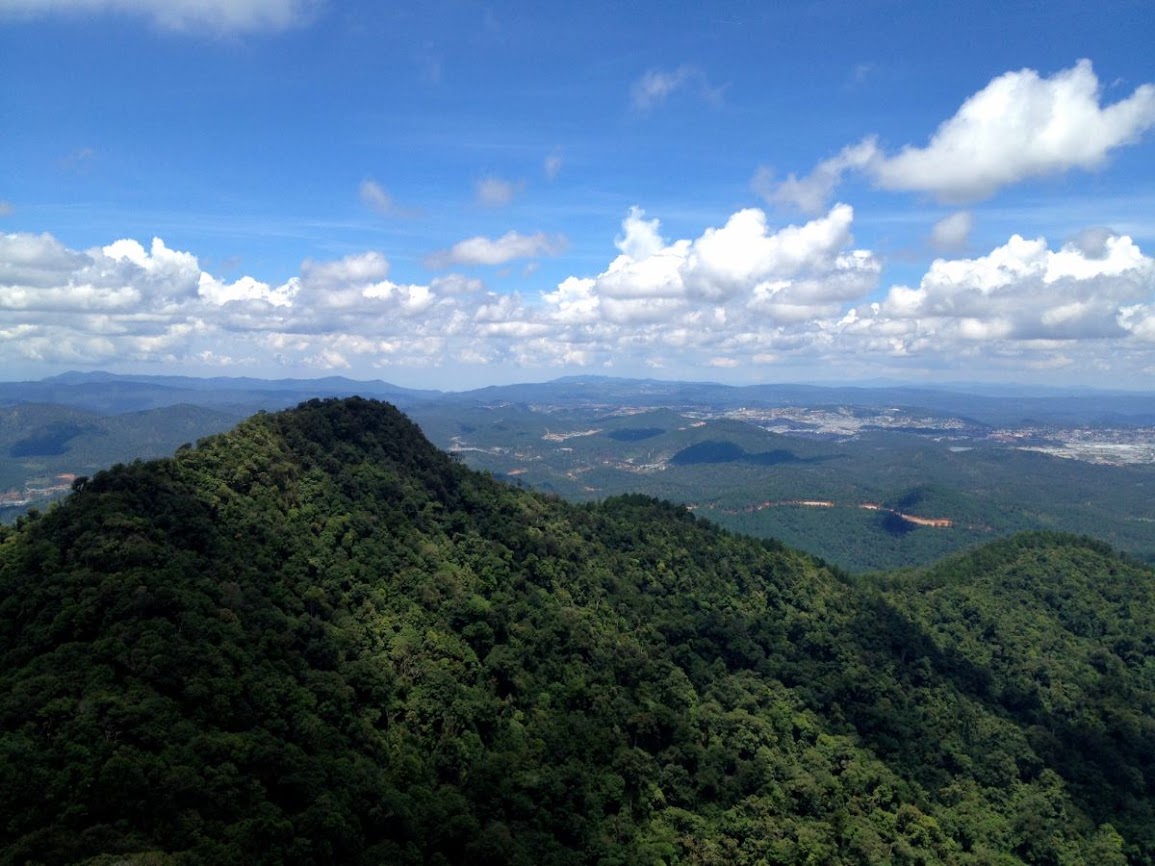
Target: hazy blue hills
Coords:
[(112, 393), (981, 404)]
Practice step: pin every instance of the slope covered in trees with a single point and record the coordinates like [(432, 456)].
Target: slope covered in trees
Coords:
[(317, 639)]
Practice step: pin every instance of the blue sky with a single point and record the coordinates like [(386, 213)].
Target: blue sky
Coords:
[(463, 194)]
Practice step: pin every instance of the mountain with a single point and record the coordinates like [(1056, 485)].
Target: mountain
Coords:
[(319, 639), (42, 440), (112, 393)]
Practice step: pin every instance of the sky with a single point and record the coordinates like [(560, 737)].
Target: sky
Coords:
[(455, 194)]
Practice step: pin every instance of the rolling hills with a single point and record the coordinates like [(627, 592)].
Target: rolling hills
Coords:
[(866, 478)]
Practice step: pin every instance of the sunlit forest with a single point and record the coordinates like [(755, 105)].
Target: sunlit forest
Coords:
[(319, 639)]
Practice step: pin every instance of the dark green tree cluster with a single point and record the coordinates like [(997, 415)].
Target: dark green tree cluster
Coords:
[(317, 639)]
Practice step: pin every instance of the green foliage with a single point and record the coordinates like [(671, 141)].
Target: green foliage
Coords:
[(317, 639)]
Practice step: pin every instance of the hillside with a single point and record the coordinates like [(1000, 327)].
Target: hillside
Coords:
[(318, 639)]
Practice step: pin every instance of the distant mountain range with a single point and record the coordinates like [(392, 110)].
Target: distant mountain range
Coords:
[(110, 393)]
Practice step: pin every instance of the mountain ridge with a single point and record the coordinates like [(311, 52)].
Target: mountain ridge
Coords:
[(318, 639)]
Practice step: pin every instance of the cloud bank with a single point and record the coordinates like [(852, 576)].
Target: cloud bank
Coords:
[(773, 302), (1022, 298)]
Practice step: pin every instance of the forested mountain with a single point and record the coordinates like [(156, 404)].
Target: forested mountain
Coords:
[(318, 639)]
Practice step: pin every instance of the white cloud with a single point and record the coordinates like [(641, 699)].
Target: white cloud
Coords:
[(245, 289), (495, 192), (485, 251), (220, 16), (6, 208), (724, 278), (375, 196), (656, 85), (575, 302), (722, 293), (640, 238), (810, 194), (1139, 321), (952, 232), (124, 301), (1020, 126), (330, 359), (745, 251), (36, 261)]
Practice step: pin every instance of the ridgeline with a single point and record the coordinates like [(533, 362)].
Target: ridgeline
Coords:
[(317, 639)]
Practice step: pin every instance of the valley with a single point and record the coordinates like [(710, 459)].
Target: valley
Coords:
[(904, 476)]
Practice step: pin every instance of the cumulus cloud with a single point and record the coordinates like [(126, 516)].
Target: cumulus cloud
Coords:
[(38, 273), (1020, 126), (485, 251), (727, 278), (220, 16), (952, 232), (656, 85), (1094, 242), (495, 192)]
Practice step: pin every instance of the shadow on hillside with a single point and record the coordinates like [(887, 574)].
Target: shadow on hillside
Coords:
[(635, 434), (50, 441), (715, 451), (895, 524)]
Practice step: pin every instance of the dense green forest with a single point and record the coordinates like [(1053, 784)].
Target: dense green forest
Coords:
[(318, 639)]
